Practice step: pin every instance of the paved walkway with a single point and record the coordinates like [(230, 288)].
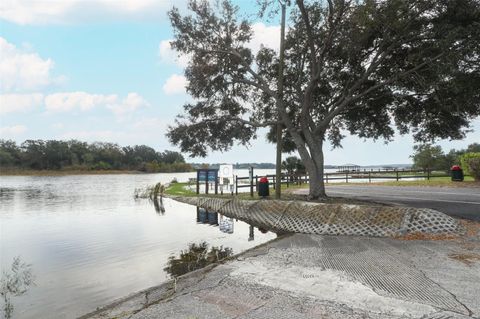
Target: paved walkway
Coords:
[(313, 276), (463, 202)]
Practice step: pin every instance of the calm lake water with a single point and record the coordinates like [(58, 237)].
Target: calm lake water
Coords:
[(90, 242)]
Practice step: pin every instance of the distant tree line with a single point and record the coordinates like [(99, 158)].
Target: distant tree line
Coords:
[(432, 157), (77, 155), (236, 166), (254, 165)]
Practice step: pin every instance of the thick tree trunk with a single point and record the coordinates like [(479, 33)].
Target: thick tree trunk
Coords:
[(312, 157), (317, 184)]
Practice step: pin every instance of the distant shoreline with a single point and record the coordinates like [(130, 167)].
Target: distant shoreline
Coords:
[(30, 172)]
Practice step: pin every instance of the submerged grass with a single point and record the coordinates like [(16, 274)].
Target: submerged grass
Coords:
[(179, 189)]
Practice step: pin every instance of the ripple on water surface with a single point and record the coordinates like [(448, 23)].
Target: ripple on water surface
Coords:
[(89, 242)]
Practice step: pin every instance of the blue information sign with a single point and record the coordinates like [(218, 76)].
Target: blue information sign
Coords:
[(212, 176)]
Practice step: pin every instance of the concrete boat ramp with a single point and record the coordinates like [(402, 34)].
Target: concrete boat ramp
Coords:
[(321, 276)]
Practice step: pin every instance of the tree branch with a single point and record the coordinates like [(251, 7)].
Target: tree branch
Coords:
[(347, 101), (263, 85), (310, 39), (332, 26), (332, 22), (236, 119)]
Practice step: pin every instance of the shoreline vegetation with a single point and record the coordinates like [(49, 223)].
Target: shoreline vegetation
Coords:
[(47, 157), (65, 172), (164, 168)]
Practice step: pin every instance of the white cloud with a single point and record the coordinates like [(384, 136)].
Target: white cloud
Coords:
[(11, 103), (128, 105), (175, 84), (170, 56), (12, 131), (21, 70), (77, 11), (68, 101), (83, 101), (268, 36)]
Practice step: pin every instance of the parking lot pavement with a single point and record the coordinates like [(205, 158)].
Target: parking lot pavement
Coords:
[(461, 202)]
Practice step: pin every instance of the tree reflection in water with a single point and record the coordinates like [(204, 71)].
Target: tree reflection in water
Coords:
[(197, 256), (158, 204)]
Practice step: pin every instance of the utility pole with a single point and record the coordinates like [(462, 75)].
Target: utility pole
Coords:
[(278, 173)]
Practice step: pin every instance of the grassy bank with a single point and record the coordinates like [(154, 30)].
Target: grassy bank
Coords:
[(179, 189), (182, 189), (434, 181)]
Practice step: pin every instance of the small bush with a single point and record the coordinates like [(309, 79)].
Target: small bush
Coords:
[(101, 166), (152, 167), (195, 257), (470, 163), (474, 168)]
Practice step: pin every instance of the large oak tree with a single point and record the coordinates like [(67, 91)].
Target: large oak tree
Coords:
[(365, 68)]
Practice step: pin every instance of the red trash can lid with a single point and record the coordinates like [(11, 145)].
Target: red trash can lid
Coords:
[(456, 168), (263, 180)]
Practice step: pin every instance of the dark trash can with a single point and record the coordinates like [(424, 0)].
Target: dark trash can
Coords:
[(457, 173), (263, 187)]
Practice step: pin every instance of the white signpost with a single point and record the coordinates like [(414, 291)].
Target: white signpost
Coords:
[(226, 171)]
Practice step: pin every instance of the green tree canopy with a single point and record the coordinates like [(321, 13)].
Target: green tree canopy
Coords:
[(293, 165), (473, 148), (359, 67), (428, 157), (53, 154)]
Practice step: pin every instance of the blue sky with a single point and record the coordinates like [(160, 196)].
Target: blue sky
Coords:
[(102, 70)]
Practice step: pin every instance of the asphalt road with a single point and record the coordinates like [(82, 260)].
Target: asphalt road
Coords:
[(460, 202)]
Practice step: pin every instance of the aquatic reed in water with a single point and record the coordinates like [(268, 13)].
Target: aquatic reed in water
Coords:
[(14, 283), (150, 192)]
